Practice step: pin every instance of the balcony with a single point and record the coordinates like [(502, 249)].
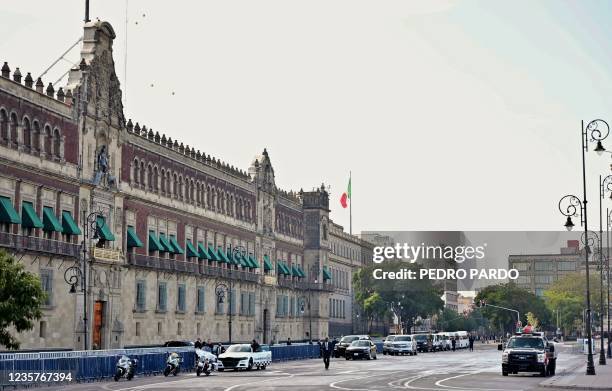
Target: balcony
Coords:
[(190, 267), (106, 254), (31, 243)]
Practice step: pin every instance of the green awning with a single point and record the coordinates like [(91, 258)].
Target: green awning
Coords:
[(154, 244), (267, 263), (215, 256), (175, 246), (50, 222), (132, 238), (166, 246), (8, 214), (191, 250), (223, 256), (295, 272), (326, 274), (203, 252), (69, 226), (302, 274), (283, 268), (253, 261), (238, 259), (103, 231), (30, 218)]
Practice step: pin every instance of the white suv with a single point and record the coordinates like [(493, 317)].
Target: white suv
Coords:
[(403, 344)]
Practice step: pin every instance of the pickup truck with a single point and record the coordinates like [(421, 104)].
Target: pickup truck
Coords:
[(242, 356), (530, 352)]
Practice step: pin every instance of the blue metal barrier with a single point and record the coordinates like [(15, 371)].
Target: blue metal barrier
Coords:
[(100, 364)]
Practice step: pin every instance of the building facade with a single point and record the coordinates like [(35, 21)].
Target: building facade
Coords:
[(171, 240), (538, 271)]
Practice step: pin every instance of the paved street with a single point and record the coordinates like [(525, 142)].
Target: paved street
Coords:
[(461, 370)]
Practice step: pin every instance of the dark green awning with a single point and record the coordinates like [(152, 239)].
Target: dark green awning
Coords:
[(132, 238), (267, 263), (244, 261), (326, 274), (213, 253), (302, 274), (29, 217), (253, 261), (203, 252), (154, 244), (50, 222), (191, 250), (283, 268), (295, 272), (8, 214), (103, 231), (69, 226), (167, 247), (175, 246), (223, 255)]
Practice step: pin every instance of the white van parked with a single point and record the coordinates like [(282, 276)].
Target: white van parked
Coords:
[(462, 339), (445, 341)]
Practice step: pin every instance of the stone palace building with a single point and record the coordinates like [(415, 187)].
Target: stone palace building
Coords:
[(173, 243)]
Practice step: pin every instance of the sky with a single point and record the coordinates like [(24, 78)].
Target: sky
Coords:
[(450, 115)]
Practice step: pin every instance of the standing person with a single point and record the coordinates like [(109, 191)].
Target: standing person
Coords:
[(209, 344), (198, 343), (453, 343), (471, 339), (254, 346), (326, 349), (288, 341)]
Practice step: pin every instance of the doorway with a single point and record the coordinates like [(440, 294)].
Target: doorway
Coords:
[(265, 326), (98, 323)]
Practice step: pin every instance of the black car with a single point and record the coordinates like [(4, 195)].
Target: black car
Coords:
[(362, 348), (424, 342), (528, 353), (176, 344), (340, 347)]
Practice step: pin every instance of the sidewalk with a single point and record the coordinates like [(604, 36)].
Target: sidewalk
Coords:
[(576, 378)]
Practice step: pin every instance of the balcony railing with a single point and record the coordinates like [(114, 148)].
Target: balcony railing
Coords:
[(31, 243), (190, 267)]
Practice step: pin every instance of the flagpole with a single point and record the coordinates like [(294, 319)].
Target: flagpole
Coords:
[(351, 206)]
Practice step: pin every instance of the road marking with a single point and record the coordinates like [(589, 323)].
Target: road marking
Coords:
[(334, 384), (439, 383), (260, 381)]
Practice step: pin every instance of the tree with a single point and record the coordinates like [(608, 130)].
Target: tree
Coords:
[(533, 320), (374, 307), (21, 297), (511, 296)]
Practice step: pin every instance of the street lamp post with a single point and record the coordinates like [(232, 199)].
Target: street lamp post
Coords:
[(73, 274), (221, 288), (598, 130), (608, 224), (605, 185)]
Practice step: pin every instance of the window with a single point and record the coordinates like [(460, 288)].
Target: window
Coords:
[(232, 302), (524, 280), (544, 279), (292, 307), (243, 303), (180, 305), (141, 295), (521, 266), (46, 280), (566, 266), (42, 332), (251, 303), (200, 304), (544, 266), (161, 297)]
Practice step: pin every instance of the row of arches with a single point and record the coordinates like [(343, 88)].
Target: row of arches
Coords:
[(289, 225), (30, 135), (172, 184)]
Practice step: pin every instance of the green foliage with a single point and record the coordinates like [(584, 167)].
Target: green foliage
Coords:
[(533, 320), (511, 296), (567, 298), (406, 298), (21, 297)]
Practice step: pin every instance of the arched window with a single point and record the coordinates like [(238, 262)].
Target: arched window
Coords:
[(136, 172), (4, 126), (47, 144), (150, 177), (199, 193), (181, 190), (208, 197), (27, 134), (155, 179), (163, 180), (214, 200), (14, 124), (240, 208), (192, 191), (57, 143), (36, 137), (175, 186)]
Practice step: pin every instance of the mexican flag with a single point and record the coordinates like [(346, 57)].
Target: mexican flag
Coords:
[(346, 196)]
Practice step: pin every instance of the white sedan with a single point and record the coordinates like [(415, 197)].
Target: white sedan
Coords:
[(242, 356)]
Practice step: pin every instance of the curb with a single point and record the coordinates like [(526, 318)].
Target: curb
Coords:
[(549, 383)]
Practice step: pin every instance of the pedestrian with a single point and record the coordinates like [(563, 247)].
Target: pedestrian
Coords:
[(471, 339), (288, 341), (255, 346), (198, 344), (453, 343), (209, 344), (326, 348)]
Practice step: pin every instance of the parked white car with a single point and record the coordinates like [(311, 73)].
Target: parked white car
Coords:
[(403, 344), (242, 356), (446, 343)]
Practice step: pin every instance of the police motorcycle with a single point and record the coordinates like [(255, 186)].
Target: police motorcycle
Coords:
[(173, 364), (207, 362), (125, 367)]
